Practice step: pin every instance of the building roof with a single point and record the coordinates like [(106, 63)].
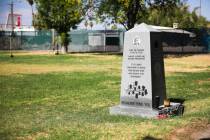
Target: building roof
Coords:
[(170, 29), (151, 28)]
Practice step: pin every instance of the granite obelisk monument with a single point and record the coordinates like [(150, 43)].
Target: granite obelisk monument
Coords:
[(143, 80)]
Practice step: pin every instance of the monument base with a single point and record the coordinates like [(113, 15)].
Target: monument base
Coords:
[(133, 111)]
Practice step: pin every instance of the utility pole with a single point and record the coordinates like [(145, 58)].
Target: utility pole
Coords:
[(12, 33)]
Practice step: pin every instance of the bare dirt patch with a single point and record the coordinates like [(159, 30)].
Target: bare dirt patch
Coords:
[(195, 131)]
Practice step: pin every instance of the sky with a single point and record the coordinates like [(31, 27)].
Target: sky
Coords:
[(23, 8), (205, 7)]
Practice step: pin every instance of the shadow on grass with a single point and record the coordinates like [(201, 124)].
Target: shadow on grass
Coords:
[(177, 100), (99, 53), (6, 135), (150, 138)]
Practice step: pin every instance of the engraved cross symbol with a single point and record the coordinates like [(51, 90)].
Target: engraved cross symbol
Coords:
[(137, 41)]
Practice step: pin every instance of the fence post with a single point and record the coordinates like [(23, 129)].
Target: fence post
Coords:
[(105, 41), (21, 39)]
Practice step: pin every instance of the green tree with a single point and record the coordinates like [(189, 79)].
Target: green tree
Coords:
[(61, 15), (130, 12), (125, 12), (38, 22), (160, 13), (180, 14), (114, 27)]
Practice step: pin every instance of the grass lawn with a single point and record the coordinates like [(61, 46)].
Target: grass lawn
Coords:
[(44, 96)]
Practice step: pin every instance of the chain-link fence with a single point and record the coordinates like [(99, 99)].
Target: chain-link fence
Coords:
[(100, 41), (26, 40), (96, 41), (80, 40)]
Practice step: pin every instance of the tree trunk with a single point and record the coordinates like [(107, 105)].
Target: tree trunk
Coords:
[(66, 48), (132, 13)]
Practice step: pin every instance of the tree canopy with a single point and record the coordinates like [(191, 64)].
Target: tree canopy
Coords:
[(125, 12), (130, 12), (156, 12), (179, 13), (61, 15)]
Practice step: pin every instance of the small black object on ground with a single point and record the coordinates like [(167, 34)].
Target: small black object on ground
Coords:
[(171, 110)]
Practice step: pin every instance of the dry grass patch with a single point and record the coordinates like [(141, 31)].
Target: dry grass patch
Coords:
[(35, 52), (9, 69), (200, 82), (96, 62), (194, 63), (62, 63), (34, 136)]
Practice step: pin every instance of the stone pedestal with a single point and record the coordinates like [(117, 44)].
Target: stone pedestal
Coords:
[(133, 111)]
